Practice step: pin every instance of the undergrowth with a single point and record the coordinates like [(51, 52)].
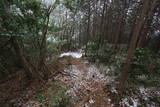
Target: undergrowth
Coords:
[(55, 96)]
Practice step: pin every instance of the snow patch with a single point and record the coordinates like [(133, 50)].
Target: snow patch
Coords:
[(16, 10), (72, 54), (30, 12), (126, 102), (113, 90), (91, 101)]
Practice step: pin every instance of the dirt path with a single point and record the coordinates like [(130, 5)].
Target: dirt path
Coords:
[(87, 84)]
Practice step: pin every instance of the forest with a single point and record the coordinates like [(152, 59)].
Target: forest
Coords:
[(79, 53)]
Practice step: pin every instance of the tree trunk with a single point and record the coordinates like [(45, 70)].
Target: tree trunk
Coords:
[(136, 33), (102, 25), (42, 52), (120, 27), (145, 31), (88, 27), (25, 64)]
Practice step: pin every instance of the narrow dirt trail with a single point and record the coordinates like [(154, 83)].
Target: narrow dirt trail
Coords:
[(87, 84)]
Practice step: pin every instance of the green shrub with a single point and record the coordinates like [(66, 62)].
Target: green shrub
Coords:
[(140, 62), (144, 67), (55, 96)]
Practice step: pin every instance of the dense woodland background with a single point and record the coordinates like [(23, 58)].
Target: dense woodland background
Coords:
[(123, 33)]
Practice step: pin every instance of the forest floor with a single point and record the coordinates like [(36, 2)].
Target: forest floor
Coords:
[(84, 85), (80, 84), (87, 84)]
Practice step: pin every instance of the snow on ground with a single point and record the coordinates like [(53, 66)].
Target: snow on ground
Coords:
[(144, 97), (88, 80), (86, 84), (126, 102), (72, 54)]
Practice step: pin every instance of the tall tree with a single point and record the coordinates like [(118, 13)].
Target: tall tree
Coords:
[(140, 22), (120, 26), (43, 45)]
